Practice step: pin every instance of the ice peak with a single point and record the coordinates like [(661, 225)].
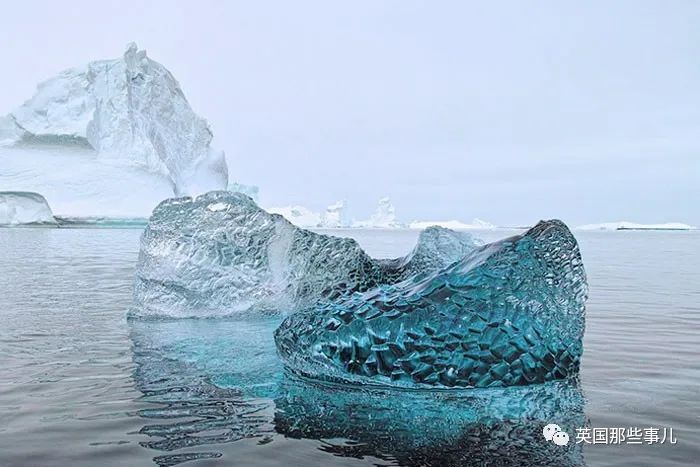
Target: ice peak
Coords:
[(133, 113), (383, 218)]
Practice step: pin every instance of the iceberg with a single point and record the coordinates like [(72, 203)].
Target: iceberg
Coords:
[(383, 218), (332, 218), (221, 255), (625, 225), (23, 207), (113, 137), (509, 313), (298, 215), (485, 426), (477, 224)]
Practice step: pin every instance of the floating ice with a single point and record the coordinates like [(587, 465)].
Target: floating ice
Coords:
[(219, 381), (298, 215), (23, 207), (483, 426), (220, 254), (509, 313), (383, 218), (115, 135), (332, 218)]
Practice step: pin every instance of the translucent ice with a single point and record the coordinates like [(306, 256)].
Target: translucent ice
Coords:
[(483, 426), (23, 207), (509, 313), (209, 382), (220, 254)]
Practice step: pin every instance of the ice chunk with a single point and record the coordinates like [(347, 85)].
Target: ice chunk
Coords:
[(383, 218), (334, 217), (485, 426), (110, 127), (188, 367), (24, 207), (220, 254), (509, 313)]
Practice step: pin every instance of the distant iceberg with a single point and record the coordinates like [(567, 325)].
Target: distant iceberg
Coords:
[(222, 255), (112, 138), (298, 215), (383, 218), (21, 207), (332, 217), (477, 224), (624, 225)]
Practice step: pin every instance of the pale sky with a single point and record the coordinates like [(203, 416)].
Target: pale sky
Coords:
[(508, 111)]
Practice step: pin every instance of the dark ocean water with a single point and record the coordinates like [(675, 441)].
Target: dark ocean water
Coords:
[(81, 386)]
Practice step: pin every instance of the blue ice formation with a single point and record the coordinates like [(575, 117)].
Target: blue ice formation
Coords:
[(210, 382), (509, 313), (222, 255), (481, 426)]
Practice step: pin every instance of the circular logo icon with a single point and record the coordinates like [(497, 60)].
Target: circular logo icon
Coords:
[(550, 430), (560, 438)]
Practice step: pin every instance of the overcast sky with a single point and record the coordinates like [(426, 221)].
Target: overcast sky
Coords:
[(507, 111)]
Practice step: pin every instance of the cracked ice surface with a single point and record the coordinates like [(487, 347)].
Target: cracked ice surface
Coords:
[(509, 313), (221, 255)]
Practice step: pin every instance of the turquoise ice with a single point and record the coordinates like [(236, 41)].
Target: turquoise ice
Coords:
[(509, 313)]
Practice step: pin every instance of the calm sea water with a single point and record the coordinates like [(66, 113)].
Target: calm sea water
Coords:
[(81, 386)]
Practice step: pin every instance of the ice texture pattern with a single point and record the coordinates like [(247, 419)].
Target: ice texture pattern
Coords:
[(218, 381), (24, 207), (509, 313), (222, 255)]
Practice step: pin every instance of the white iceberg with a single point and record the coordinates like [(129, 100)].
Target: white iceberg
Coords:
[(23, 207), (625, 225), (298, 215), (476, 224), (114, 137), (383, 218), (332, 218)]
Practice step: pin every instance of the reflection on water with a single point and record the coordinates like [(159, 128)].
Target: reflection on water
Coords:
[(207, 379), (217, 381)]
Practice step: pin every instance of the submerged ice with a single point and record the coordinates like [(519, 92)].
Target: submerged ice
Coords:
[(221, 255), (219, 381), (508, 313)]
